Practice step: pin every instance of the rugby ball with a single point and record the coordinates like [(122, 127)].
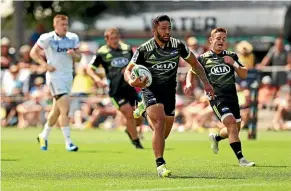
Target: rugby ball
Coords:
[(140, 71)]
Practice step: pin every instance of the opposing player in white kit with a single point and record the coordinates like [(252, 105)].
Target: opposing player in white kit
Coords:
[(61, 49)]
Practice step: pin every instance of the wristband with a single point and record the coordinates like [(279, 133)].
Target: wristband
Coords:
[(236, 65)]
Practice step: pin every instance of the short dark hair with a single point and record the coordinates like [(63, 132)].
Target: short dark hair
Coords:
[(217, 30), (160, 18)]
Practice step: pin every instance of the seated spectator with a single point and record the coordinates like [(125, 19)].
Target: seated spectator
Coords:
[(281, 94), (266, 93), (245, 53), (243, 94), (7, 58), (38, 85), (193, 113), (29, 112), (100, 112), (282, 119), (36, 72), (25, 61), (12, 81)]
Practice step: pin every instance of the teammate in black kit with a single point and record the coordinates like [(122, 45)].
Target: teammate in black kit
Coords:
[(220, 66), (114, 57), (161, 56)]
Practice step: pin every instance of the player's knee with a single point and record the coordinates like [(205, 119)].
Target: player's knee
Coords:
[(159, 123), (229, 121), (127, 111), (54, 114), (128, 115)]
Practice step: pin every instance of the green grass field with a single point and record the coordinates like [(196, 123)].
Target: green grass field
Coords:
[(106, 161)]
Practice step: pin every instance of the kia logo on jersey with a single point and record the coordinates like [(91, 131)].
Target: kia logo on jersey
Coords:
[(167, 65), (220, 69), (119, 62)]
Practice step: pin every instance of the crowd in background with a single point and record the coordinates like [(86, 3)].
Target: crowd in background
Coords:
[(26, 101)]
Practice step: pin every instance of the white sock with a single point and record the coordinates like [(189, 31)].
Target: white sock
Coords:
[(46, 131), (66, 133)]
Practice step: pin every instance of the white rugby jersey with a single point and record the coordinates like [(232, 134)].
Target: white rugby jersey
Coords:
[(55, 48)]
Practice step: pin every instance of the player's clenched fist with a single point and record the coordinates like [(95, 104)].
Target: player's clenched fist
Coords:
[(228, 60)]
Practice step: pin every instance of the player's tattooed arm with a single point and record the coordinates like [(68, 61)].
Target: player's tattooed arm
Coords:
[(200, 72), (127, 72), (197, 68), (189, 82), (35, 54)]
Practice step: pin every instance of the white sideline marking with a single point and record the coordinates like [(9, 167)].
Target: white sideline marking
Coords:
[(194, 187)]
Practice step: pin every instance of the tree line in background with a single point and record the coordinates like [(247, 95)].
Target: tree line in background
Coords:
[(35, 12)]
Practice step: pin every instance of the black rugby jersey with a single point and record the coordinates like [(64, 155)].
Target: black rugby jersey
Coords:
[(220, 75), (162, 62), (114, 62)]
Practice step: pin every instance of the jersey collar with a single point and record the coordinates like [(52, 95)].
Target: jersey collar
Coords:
[(221, 54), (118, 48), (56, 35), (158, 46)]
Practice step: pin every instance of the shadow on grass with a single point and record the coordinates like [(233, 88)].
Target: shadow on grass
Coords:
[(166, 149), (272, 166), (98, 151), (10, 160), (204, 177)]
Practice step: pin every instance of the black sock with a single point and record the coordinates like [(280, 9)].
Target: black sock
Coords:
[(236, 147), (144, 114), (160, 161), (218, 138), (136, 141), (126, 131)]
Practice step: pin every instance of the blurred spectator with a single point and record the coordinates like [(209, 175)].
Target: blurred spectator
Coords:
[(29, 112), (83, 84), (38, 85), (282, 119), (87, 55), (245, 54), (266, 93), (243, 94), (100, 112), (8, 110), (25, 61), (281, 94), (15, 78), (11, 81), (278, 56), (36, 34), (36, 72), (7, 58), (198, 113), (194, 47)]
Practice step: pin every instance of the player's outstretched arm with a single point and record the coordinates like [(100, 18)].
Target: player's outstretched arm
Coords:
[(200, 72), (91, 68), (189, 79), (35, 54)]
